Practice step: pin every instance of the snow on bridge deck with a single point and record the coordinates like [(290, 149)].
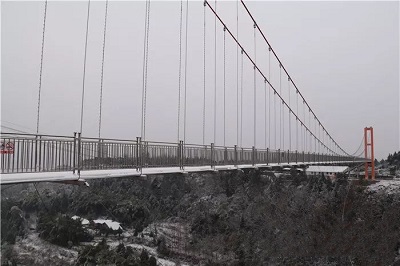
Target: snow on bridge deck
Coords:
[(66, 176)]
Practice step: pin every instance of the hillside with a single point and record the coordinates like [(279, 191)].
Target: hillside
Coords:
[(251, 218)]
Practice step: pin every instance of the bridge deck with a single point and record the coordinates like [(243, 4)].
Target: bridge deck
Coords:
[(115, 173), (37, 158)]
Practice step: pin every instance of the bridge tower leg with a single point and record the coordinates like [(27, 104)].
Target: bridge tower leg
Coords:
[(369, 151)]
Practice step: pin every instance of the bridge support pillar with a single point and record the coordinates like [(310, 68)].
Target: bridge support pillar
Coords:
[(369, 152)]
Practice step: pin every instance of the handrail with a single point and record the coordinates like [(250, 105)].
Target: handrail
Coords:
[(35, 135), (48, 153)]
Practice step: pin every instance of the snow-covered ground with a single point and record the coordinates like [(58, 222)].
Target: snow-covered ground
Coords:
[(36, 251), (174, 233), (146, 241), (32, 250), (386, 186)]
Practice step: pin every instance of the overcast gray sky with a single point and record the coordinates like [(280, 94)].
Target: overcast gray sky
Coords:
[(343, 56)]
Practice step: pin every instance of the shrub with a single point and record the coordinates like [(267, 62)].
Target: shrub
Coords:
[(60, 229)]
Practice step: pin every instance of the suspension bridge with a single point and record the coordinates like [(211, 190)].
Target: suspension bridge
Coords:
[(284, 129)]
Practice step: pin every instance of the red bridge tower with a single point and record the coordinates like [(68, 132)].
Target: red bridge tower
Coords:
[(369, 152)]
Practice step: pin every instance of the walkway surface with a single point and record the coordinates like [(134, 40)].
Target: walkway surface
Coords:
[(16, 178)]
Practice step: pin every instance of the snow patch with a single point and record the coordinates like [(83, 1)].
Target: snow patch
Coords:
[(387, 186), (110, 223), (84, 221)]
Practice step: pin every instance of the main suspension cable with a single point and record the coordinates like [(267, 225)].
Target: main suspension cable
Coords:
[(362, 141), (102, 67), (265, 39), (360, 154), (84, 65), (252, 62), (41, 68), (315, 139)]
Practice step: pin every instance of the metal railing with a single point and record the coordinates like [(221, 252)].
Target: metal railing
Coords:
[(29, 153)]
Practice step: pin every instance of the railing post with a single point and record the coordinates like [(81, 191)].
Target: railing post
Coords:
[(74, 155), (138, 153), (296, 157), (39, 153), (79, 153), (212, 156), (235, 155), (182, 159), (225, 155), (179, 154), (267, 155), (257, 156), (279, 156), (288, 156), (38, 145), (204, 159), (99, 153), (253, 159), (36, 153), (145, 156), (304, 158)]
